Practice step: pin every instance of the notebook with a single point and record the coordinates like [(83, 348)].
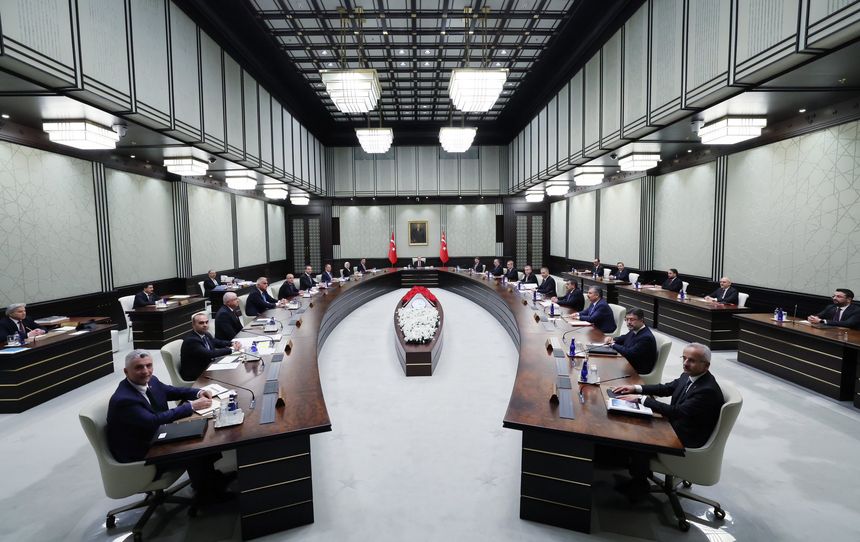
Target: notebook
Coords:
[(628, 407), (173, 432)]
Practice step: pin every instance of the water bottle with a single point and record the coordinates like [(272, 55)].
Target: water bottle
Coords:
[(682, 295), (254, 348), (471, 271), (232, 406), (593, 376), (505, 280), (458, 268), (776, 314), (551, 309), (572, 347), (780, 315), (638, 285), (519, 286), (583, 374), (534, 295), (272, 321)]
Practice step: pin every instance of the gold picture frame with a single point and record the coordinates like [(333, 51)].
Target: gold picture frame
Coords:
[(418, 233)]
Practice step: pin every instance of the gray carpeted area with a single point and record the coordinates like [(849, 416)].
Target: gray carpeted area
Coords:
[(428, 459)]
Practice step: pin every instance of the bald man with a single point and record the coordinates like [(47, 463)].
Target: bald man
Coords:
[(724, 294)]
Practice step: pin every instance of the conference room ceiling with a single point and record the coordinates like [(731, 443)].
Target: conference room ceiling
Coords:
[(413, 45)]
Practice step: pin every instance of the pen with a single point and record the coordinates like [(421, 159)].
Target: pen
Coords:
[(581, 398), (616, 378)]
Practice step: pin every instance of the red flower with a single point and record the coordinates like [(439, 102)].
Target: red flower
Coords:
[(419, 290)]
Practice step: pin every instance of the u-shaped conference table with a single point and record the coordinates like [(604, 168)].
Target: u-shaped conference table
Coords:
[(274, 459)]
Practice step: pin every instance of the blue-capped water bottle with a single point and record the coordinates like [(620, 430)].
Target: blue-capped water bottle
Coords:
[(572, 352), (583, 374), (682, 295), (551, 308), (534, 294), (780, 315)]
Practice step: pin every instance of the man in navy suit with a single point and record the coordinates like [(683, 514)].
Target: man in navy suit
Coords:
[(547, 287), (307, 281), (326, 274), (259, 300), (139, 406), (497, 270), (695, 408), (16, 322), (288, 288), (211, 281), (362, 266), (477, 266), (573, 299), (596, 268), (598, 313), (347, 270), (620, 273), (638, 344), (227, 322), (199, 348), (842, 313), (511, 273), (724, 294), (146, 297), (673, 282), (528, 276)]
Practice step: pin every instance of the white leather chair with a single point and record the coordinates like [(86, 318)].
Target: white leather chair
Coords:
[(664, 346), (127, 303), (520, 275), (587, 302), (742, 299), (170, 353), (700, 466), (244, 318), (202, 288), (684, 285), (560, 286), (275, 287), (121, 480), (606, 272), (619, 313), (297, 283), (634, 278)]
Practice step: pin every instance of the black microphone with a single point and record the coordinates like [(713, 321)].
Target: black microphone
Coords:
[(253, 397)]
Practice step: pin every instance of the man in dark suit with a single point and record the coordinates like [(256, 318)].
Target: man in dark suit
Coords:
[(362, 266), (673, 282), (596, 268), (598, 313), (638, 344), (199, 348), (842, 313), (620, 273), (695, 408), (227, 322), (307, 281), (146, 297), (573, 299), (528, 275), (288, 288), (511, 273), (724, 294), (211, 281), (347, 271), (497, 270), (326, 274), (547, 287), (477, 266), (259, 300), (16, 322), (139, 406)]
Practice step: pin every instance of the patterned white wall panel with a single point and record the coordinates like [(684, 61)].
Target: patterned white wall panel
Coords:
[(251, 230), (277, 233), (582, 210), (557, 228), (793, 213), (405, 213), (364, 232), (619, 223), (211, 229), (471, 230), (141, 222), (684, 222), (47, 216)]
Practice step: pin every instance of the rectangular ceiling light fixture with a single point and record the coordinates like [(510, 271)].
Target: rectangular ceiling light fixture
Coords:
[(456, 139), (298, 197), (557, 188), (638, 161), (375, 140), (588, 175), (731, 130), (81, 134), (240, 179), (275, 193), (476, 89), (352, 91), (186, 166)]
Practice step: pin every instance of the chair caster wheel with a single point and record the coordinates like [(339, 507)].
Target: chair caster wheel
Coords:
[(110, 522), (687, 484), (720, 513)]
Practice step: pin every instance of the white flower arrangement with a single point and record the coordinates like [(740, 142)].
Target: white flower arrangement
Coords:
[(418, 325)]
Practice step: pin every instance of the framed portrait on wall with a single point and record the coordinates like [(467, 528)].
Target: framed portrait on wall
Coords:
[(418, 232)]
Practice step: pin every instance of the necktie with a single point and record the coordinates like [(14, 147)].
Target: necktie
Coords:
[(684, 393), (838, 314), (21, 329), (155, 405), (206, 342)]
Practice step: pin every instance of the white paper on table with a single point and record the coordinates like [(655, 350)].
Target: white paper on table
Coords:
[(180, 296), (79, 332), (246, 342)]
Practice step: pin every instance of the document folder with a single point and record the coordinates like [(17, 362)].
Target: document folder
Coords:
[(173, 432)]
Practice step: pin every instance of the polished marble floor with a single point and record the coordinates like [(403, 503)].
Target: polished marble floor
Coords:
[(427, 458)]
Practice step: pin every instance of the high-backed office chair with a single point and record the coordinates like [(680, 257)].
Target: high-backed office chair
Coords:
[(170, 353), (520, 275), (297, 283), (684, 285), (244, 318), (700, 466), (275, 287), (619, 313), (121, 480), (742, 299), (664, 346), (587, 301), (127, 303), (560, 287), (634, 278), (202, 288), (606, 272)]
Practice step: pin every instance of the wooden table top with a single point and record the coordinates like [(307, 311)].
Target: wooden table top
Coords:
[(173, 305), (691, 300), (799, 326), (305, 410)]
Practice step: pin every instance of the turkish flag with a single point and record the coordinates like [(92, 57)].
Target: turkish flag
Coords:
[(392, 251), (443, 252)]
